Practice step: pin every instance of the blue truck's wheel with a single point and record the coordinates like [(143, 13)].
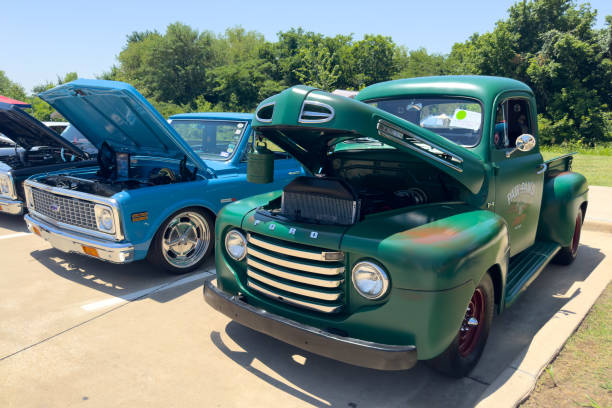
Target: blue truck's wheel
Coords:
[(183, 242), (566, 255), (462, 355)]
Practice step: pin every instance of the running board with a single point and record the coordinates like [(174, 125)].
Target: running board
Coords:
[(526, 266)]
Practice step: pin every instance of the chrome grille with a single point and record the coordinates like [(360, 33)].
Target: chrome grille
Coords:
[(299, 275), (72, 211)]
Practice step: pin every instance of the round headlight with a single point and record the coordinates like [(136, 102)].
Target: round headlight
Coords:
[(370, 280), (235, 245)]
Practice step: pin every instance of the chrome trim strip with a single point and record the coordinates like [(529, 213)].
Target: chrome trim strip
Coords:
[(10, 207), (321, 270), (322, 283), (111, 202), (422, 151), (326, 118), (295, 302), (315, 256), (315, 294), (262, 107)]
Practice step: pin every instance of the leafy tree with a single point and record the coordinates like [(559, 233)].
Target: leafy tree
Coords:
[(550, 45), (418, 63), (373, 58), (11, 89)]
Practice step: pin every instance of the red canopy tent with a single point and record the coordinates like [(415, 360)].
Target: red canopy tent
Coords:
[(14, 102)]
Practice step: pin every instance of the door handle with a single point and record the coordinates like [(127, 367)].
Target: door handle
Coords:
[(543, 167), (294, 173)]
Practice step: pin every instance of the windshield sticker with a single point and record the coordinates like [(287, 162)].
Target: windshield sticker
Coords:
[(224, 154), (466, 119), (240, 125)]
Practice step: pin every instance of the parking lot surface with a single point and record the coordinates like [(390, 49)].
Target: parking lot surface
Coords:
[(78, 332)]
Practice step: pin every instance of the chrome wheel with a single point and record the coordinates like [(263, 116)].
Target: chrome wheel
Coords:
[(185, 239)]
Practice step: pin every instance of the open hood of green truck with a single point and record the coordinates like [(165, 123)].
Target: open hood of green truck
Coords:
[(306, 122)]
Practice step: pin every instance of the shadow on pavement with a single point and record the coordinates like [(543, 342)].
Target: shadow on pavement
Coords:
[(12, 223), (324, 382), (116, 280)]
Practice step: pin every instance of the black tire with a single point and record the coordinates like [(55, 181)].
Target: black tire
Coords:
[(183, 242), (462, 355), (568, 254)]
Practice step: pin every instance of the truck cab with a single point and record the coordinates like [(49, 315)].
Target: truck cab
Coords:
[(429, 209)]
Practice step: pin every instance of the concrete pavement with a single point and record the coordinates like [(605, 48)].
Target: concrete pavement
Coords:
[(75, 332), (599, 211)]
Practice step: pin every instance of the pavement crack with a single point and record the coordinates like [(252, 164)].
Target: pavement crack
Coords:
[(63, 331), (478, 381)]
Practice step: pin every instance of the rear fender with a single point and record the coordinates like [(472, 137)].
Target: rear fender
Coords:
[(564, 194)]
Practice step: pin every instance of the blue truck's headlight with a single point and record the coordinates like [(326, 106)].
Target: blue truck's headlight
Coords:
[(370, 280), (236, 245), (104, 218)]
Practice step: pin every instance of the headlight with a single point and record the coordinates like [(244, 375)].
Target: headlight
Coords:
[(235, 245), (6, 185), (104, 218), (370, 280)]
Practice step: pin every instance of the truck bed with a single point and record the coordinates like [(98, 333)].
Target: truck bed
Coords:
[(559, 164)]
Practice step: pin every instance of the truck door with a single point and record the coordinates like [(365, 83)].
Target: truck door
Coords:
[(519, 176)]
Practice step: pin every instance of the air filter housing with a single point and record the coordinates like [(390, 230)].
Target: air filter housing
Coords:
[(320, 200)]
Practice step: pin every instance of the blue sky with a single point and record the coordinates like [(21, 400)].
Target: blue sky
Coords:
[(43, 39)]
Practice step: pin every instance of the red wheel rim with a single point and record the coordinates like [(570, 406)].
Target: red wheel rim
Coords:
[(576, 238), (469, 334)]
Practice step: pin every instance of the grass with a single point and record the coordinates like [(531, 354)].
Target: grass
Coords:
[(581, 375), (594, 163)]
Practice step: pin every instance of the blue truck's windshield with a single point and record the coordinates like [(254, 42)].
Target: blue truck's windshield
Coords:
[(211, 139), (456, 119)]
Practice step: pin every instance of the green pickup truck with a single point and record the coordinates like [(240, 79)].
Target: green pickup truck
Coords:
[(428, 208)]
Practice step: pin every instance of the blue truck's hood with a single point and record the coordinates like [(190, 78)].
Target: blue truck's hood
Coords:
[(27, 132), (115, 113)]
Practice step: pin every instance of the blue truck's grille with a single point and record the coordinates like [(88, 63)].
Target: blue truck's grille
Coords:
[(299, 275), (72, 211)]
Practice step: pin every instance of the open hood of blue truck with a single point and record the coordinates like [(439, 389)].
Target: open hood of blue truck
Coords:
[(27, 132), (116, 113)]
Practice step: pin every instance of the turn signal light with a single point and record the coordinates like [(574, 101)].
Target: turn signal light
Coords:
[(141, 216), (90, 251)]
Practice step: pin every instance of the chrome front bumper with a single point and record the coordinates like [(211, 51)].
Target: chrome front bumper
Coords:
[(14, 207), (76, 243)]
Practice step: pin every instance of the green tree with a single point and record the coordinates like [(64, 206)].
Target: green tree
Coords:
[(418, 63), (374, 59), (552, 46), (11, 89)]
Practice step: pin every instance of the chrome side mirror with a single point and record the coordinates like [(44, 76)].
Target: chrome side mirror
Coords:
[(524, 143)]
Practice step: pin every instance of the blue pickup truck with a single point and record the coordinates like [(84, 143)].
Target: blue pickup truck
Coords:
[(158, 184)]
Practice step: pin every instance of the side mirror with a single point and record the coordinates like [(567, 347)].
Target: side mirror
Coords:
[(524, 143)]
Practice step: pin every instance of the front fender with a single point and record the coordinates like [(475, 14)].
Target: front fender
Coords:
[(439, 255), (159, 202)]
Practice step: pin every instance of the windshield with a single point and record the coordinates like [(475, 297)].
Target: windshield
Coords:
[(75, 137), (456, 119), (211, 139)]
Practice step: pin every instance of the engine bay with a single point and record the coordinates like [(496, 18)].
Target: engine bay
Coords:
[(356, 186), (38, 156), (118, 172)]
